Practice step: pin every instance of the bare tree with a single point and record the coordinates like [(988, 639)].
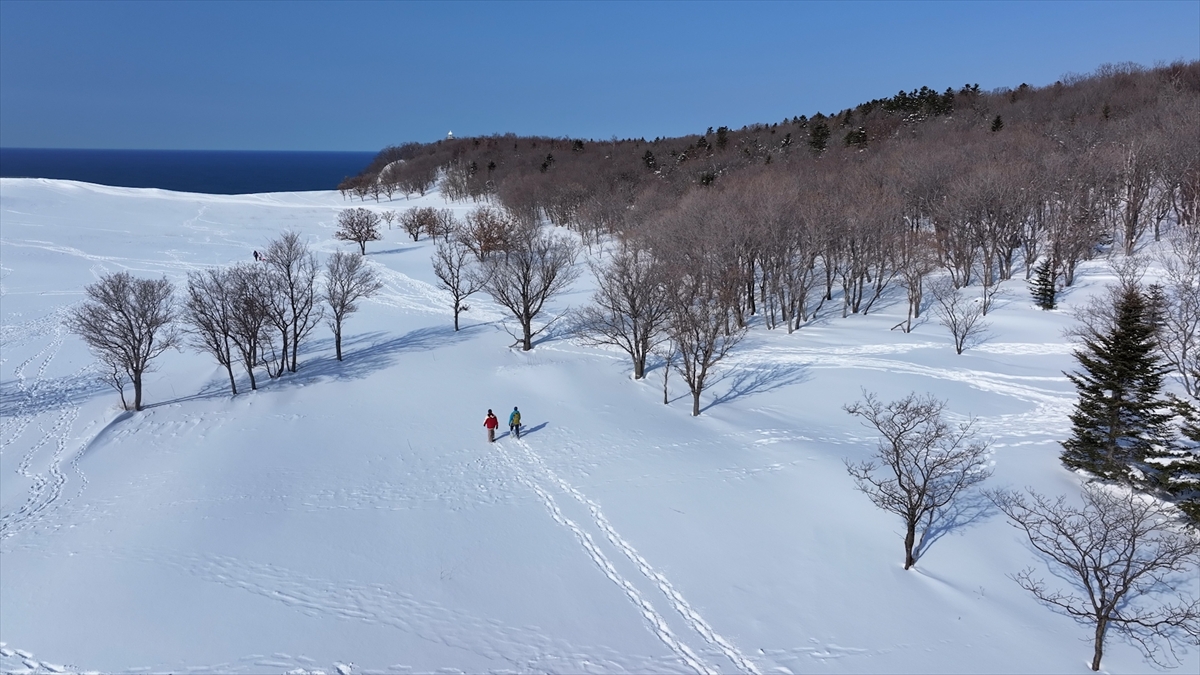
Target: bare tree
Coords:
[(294, 268), (1125, 562), (254, 291), (629, 309), (1179, 331), (358, 225), (452, 266), (347, 280), (115, 377), (962, 317), (921, 464), (127, 322), (668, 352), (700, 327), (1136, 179), (208, 312), (410, 222), (388, 216), (537, 267), (489, 230), (427, 220), (917, 259), (440, 224)]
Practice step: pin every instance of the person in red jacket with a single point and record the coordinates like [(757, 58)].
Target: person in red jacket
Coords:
[(491, 423)]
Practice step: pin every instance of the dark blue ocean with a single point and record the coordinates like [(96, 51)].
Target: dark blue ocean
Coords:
[(212, 172)]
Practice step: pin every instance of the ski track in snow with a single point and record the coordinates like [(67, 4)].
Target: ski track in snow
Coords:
[(1051, 407), (50, 406), (656, 622), (405, 293), (693, 619), (173, 265)]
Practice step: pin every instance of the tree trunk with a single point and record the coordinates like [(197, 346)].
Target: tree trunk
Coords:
[(639, 367), (1098, 646), (137, 390), (910, 539), (527, 328), (232, 382), (695, 403), (362, 247), (337, 339), (666, 376), (283, 360)]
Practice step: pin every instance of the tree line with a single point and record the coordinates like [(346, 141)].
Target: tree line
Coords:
[(930, 194), (247, 315)]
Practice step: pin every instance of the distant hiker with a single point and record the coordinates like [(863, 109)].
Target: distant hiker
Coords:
[(256, 257), (491, 423), (514, 422)]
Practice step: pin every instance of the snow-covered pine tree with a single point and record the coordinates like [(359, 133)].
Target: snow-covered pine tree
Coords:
[(1045, 294), (1179, 465), (1122, 417)]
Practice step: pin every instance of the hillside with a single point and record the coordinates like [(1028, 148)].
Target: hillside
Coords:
[(352, 517)]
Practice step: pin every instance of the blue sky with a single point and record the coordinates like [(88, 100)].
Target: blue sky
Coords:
[(359, 76)]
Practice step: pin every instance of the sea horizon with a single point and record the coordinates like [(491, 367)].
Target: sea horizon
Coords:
[(202, 171)]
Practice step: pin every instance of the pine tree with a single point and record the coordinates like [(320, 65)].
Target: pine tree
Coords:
[(818, 137), (722, 137), (1178, 466), (997, 124), (1043, 287), (1122, 417)]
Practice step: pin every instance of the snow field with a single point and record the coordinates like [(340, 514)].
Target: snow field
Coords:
[(351, 518)]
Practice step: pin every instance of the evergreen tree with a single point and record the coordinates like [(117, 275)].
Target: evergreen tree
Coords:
[(1122, 417), (997, 124), (1043, 287), (818, 137), (1178, 466), (722, 137)]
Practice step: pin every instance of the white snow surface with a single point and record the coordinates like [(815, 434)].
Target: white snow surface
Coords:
[(352, 518)]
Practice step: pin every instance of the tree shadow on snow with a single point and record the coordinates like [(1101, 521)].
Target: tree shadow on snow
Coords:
[(558, 328), (749, 380), (218, 388), (51, 394), (369, 353), (362, 355), (962, 512)]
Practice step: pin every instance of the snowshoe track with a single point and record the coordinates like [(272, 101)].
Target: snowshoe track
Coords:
[(675, 599)]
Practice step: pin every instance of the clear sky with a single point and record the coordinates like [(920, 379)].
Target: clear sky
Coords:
[(359, 76)]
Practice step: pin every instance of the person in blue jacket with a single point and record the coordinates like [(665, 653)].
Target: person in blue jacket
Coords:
[(514, 422)]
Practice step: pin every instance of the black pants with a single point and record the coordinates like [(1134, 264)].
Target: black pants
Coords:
[(515, 429)]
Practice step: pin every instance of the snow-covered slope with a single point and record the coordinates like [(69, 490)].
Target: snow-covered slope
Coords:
[(353, 518)]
